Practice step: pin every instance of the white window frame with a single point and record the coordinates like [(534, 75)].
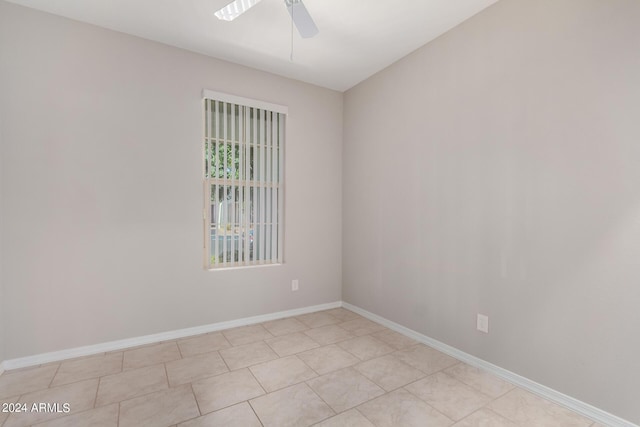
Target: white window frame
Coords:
[(264, 107)]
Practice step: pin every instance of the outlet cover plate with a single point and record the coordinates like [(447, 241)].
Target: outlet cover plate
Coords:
[(482, 323)]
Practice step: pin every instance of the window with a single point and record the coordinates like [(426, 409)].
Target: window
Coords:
[(243, 191)]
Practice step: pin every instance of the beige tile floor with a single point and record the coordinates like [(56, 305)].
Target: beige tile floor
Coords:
[(331, 368)]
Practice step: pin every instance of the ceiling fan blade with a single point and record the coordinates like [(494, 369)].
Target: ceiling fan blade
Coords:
[(235, 9), (301, 18)]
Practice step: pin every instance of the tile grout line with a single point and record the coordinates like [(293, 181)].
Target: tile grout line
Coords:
[(233, 404), (485, 406), (427, 403), (179, 350), (477, 389), (503, 416), (138, 395), (54, 375), (380, 385), (195, 398), (166, 374), (254, 412), (323, 401), (71, 382), (95, 398), (466, 416), (491, 398), (307, 365), (224, 361), (361, 413), (272, 349), (259, 383)]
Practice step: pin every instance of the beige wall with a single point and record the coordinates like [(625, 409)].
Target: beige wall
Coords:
[(102, 194), (496, 170), (2, 299)]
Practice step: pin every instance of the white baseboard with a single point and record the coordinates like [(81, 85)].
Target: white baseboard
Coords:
[(88, 350), (1, 367), (569, 402)]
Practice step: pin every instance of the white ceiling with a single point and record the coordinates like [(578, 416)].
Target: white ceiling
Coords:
[(357, 37)]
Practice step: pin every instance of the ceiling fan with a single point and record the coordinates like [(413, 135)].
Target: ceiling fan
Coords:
[(299, 14)]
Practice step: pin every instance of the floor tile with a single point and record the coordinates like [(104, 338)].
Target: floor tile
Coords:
[(225, 390), (86, 368), (329, 368), (105, 416), (246, 334), (343, 314), (484, 418), (350, 418), (25, 381), (344, 389), (281, 373), (295, 406), (194, 368), (4, 415), (451, 397), (318, 319), (394, 339), (401, 408), (526, 408), (129, 384), (328, 358), (164, 407), (150, 355), (287, 345), (80, 397), (480, 380), (284, 326), (328, 334), (366, 347), (389, 372), (427, 359), (240, 415), (247, 355), (361, 326), (205, 343)]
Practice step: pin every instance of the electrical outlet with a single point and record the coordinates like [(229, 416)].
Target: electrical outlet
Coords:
[(483, 323), (294, 285)]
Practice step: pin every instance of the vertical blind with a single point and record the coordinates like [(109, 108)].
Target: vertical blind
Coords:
[(243, 152)]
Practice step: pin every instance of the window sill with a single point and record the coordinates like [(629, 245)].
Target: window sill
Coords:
[(244, 267)]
